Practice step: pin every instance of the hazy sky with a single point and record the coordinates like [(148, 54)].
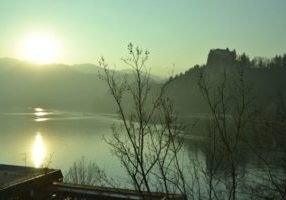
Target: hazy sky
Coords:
[(176, 32)]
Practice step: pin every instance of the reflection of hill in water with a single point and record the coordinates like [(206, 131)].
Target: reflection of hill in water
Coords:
[(248, 159), (70, 135)]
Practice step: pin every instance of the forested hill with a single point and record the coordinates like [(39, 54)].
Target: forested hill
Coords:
[(264, 78), (78, 87)]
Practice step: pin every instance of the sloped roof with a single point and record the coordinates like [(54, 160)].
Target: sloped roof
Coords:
[(76, 190), (18, 179)]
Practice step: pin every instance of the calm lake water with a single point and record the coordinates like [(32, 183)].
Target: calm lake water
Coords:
[(67, 136)]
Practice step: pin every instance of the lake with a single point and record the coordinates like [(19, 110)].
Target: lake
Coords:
[(67, 136)]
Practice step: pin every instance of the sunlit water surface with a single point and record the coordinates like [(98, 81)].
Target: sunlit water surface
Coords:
[(52, 138), (39, 137)]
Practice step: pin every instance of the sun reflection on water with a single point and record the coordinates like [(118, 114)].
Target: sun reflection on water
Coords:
[(38, 150), (40, 114), (41, 119), (39, 109)]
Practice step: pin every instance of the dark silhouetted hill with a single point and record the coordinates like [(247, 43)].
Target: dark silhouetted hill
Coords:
[(265, 78)]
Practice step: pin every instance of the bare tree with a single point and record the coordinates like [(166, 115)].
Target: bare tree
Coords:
[(147, 141), (231, 110), (86, 172)]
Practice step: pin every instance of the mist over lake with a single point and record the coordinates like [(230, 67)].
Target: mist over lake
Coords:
[(142, 100), (58, 116)]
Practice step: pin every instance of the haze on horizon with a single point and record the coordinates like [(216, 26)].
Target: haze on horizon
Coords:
[(178, 34)]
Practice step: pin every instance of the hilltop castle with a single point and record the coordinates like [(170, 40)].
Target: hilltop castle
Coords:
[(221, 58)]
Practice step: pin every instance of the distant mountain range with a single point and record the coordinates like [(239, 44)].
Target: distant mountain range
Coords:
[(56, 86), (78, 87), (59, 86)]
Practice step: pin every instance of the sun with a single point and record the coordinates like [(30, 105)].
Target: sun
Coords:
[(38, 150), (40, 47)]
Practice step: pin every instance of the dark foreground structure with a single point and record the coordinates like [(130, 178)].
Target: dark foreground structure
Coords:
[(24, 183)]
